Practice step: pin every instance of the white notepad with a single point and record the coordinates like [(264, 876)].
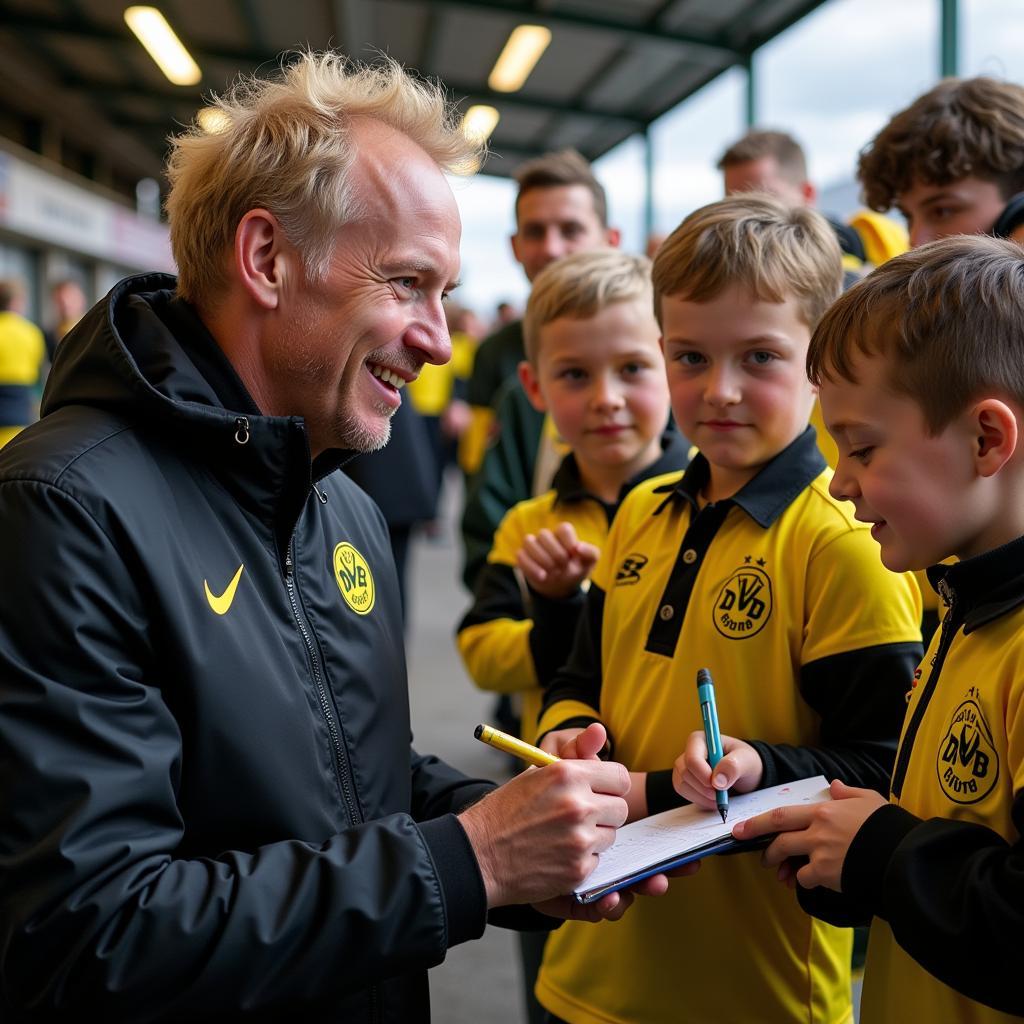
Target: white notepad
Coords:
[(663, 841)]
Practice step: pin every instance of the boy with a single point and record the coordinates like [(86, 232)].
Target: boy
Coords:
[(952, 162), (921, 370), (745, 565), (594, 363)]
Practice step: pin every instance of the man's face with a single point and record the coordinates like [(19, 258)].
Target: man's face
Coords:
[(913, 487), (737, 380), (969, 206), (352, 340), (602, 379), (764, 175), (554, 222)]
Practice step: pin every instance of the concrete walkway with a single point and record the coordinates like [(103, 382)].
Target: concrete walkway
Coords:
[(479, 981)]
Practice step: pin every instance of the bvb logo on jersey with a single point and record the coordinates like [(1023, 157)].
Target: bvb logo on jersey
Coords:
[(744, 604), (355, 581), (967, 762)]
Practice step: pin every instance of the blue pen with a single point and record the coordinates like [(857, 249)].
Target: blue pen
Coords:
[(712, 736)]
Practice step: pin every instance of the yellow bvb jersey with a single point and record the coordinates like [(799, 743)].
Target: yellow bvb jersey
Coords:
[(953, 895), (494, 637), (760, 589)]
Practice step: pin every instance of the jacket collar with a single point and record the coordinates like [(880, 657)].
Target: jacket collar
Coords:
[(983, 588), (569, 487), (769, 493)]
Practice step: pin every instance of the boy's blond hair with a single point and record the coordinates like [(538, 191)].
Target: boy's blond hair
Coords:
[(948, 319), (580, 286), (285, 145), (774, 250), (962, 127)]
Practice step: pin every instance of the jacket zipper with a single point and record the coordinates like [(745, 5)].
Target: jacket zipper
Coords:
[(340, 759), (945, 641)]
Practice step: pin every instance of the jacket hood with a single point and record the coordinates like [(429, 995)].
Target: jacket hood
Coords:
[(125, 357), (145, 357)]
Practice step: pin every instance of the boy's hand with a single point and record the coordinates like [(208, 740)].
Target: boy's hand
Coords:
[(739, 770), (820, 833), (556, 563), (576, 744)]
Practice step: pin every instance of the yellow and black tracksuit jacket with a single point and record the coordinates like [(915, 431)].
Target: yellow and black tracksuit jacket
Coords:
[(513, 639), (812, 644), (941, 868)]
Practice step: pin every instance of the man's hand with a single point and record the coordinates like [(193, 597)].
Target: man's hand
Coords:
[(820, 833), (607, 908), (740, 770), (556, 562), (539, 836)]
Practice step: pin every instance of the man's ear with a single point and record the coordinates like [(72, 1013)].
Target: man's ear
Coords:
[(613, 237), (528, 378), (263, 257), (996, 428), (514, 242), (809, 192)]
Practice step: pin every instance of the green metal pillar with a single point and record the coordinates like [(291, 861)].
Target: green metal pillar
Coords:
[(949, 39), (648, 184), (750, 113)]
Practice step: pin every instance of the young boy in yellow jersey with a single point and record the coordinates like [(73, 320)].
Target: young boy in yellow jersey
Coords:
[(921, 370), (595, 365), (745, 565)]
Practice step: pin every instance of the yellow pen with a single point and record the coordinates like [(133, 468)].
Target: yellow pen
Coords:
[(510, 745)]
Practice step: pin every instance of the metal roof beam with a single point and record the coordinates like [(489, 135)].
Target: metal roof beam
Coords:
[(717, 48)]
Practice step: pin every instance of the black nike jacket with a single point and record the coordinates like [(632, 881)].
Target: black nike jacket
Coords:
[(209, 807)]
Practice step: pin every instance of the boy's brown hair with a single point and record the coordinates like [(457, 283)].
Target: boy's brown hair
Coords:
[(963, 127), (580, 286), (566, 167), (775, 250), (786, 151), (948, 319)]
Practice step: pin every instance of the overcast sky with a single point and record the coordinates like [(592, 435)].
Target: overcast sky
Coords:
[(832, 80)]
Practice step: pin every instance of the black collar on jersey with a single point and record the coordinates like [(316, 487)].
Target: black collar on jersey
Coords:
[(985, 587), (769, 493), (569, 487)]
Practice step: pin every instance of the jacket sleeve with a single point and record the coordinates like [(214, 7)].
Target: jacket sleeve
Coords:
[(860, 645), (507, 644), (494, 635), (953, 894), (99, 907), (859, 698), (574, 696)]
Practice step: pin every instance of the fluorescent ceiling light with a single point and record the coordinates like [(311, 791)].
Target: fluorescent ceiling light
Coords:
[(517, 60), (479, 122), (157, 36)]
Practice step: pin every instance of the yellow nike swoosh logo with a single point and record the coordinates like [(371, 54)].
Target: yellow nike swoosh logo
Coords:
[(222, 603)]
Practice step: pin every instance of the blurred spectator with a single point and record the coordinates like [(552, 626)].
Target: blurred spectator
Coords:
[(69, 306), (505, 313), (22, 355), (774, 162)]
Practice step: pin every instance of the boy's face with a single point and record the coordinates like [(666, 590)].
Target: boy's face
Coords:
[(737, 380), (969, 206), (914, 488), (602, 379)]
